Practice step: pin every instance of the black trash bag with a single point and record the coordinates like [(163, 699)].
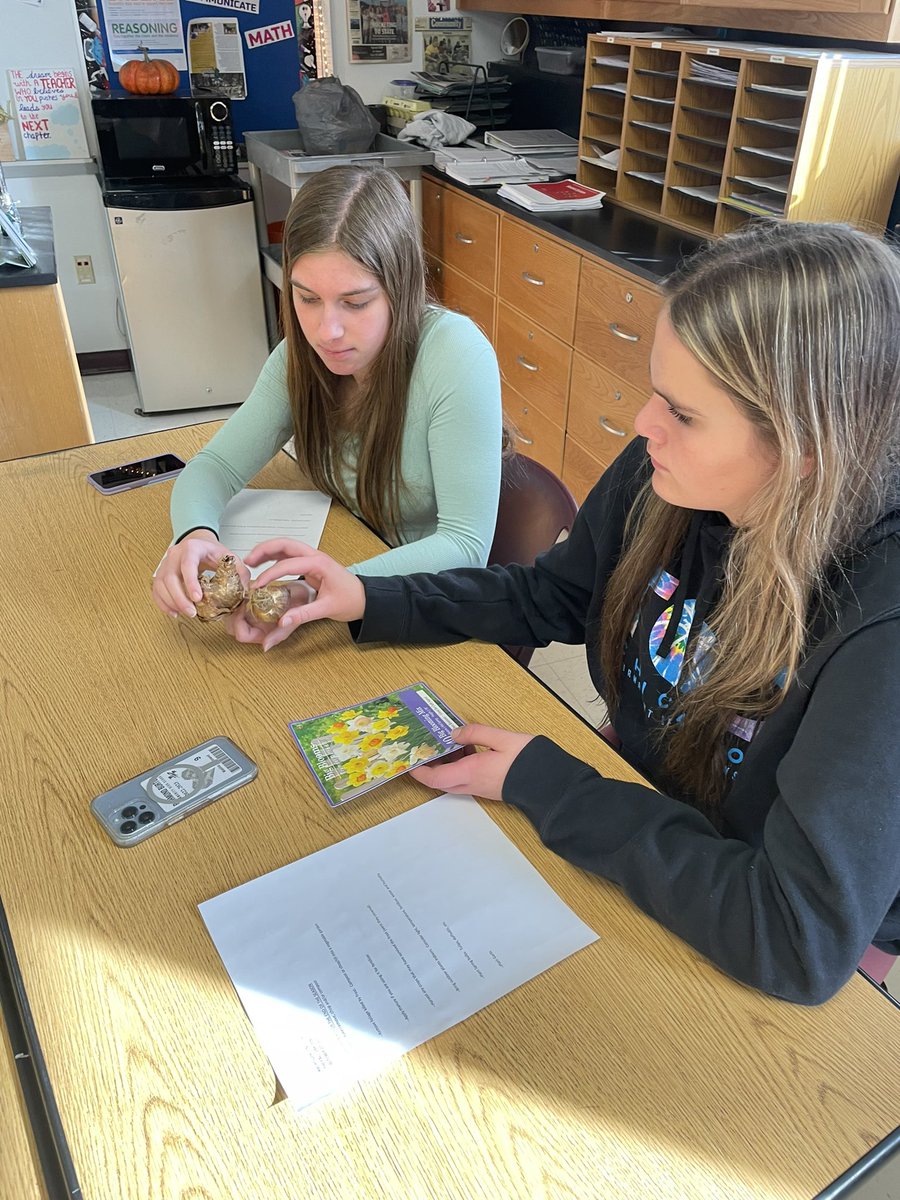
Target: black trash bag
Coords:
[(333, 119)]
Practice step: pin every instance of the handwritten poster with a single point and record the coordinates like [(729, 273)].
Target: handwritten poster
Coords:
[(49, 118)]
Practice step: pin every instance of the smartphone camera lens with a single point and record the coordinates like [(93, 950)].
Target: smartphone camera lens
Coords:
[(129, 826), (129, 813), (146, 817)]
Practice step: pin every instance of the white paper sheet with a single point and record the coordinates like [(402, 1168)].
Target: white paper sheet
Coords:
[(348, 958), (256, 514)]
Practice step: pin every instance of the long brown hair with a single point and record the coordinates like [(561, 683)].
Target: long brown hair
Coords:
[(800, 324), (364, 212)]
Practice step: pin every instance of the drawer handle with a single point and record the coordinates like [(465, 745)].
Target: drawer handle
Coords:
[(531, 279), (524, 440), (629, 337), (610, 428), (523, 362), (465, 241)]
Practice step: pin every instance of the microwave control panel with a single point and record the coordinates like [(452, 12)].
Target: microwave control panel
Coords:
[(222, 137)]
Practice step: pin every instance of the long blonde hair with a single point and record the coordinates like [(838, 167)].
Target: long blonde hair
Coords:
[(800, 324), (364, 212)]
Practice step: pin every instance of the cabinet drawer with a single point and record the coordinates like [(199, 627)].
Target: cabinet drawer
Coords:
[(581, 470), (539, 278), (432, 216), (534, 434), (459, 293), (533, 362), (616, 321), (468, 238), (601, 409)]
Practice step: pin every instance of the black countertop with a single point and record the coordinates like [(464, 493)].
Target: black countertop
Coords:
[(37, 229), (646, 248)]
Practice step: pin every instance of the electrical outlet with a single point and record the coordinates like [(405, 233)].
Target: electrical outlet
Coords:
[(84, 268)]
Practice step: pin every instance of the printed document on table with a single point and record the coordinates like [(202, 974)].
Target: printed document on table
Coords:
[(353, 955), (255, 515)]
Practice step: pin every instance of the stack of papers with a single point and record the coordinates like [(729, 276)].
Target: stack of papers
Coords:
[(490, 174), (772, 183), (467, 154), (610, 159), (532, 142), (566, 196), (781, 153), (711, 72), (443, 83), (763, 203)]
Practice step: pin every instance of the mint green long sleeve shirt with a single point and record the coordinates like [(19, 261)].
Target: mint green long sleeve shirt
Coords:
[(450, 452)]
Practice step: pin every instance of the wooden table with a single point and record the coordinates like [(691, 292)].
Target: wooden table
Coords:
[(632, 1069)]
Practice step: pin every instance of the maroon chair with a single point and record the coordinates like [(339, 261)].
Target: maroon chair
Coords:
[(876, 964), (535, 508)]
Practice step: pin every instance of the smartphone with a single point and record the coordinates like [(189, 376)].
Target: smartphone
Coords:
[(135, 810), (136, 474)]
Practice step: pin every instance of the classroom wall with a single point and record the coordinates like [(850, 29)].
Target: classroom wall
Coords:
[(46, 35), (371, 79)]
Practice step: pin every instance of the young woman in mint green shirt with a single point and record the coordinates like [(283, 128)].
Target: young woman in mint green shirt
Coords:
[(393, 404)]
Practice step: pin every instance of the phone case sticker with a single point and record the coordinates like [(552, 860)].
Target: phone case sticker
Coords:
[(191, 777), (353, 750)]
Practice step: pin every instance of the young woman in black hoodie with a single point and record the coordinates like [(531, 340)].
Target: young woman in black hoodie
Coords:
[(735, 576)]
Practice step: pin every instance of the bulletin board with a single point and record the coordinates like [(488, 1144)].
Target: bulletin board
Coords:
[(269, 51)]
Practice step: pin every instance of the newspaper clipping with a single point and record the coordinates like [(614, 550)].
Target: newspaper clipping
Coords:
[(447, 46), (216, 57), (379, 32)]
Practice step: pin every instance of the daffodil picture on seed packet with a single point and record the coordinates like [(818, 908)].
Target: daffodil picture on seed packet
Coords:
[(352, 750)]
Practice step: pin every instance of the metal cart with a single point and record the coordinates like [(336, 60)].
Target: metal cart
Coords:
[(278, 169)]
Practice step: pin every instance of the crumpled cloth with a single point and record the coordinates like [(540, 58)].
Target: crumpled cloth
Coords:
[(435, 128)]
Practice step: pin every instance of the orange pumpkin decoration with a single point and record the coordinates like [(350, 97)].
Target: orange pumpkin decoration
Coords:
[(149, 76)]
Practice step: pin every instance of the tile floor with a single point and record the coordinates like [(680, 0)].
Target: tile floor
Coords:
[(112, 400)]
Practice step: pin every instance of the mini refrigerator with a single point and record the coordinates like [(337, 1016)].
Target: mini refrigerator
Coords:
[(188, 263)]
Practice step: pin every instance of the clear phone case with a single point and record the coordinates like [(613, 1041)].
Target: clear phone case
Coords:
[(135, 810)]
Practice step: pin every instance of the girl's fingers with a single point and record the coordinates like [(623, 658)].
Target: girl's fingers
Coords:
[(278, 571), (277, 548)]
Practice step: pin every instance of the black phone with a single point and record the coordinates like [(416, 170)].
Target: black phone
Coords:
[(136, 474)]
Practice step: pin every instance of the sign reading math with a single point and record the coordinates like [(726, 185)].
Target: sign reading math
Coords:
[(268, 34), (49, 117)]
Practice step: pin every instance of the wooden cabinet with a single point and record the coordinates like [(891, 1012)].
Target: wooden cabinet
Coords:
[(538, 292), (42, 404), (572, 333), (610, 378), (848, 20), (458, 292), (602, 408), (539, 277), (616, 322), (706, 135), (460, 238), (533, 362)]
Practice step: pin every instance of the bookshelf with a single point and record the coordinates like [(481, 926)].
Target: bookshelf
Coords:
[(709, 135)]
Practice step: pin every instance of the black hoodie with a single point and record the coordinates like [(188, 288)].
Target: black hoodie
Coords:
[(803, 870)]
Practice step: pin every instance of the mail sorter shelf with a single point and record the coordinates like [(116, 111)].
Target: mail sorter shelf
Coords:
[(706, 136)]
